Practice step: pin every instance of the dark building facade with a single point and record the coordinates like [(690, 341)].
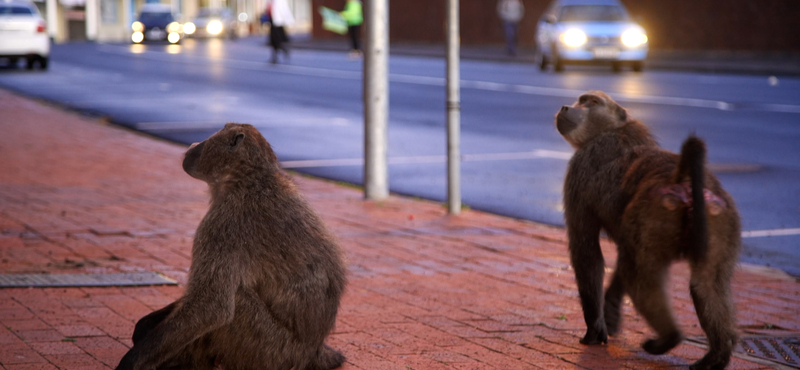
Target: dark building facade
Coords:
[(692, 25)]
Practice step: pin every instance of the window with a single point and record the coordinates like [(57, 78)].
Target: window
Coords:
[(583, 13), (15, 10)]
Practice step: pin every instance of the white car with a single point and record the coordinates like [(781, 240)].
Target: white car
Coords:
[(590, 32), (23, 33)]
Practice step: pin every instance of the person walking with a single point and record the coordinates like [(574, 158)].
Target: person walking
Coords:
[(280, 17), (354, 16), (511, 13)]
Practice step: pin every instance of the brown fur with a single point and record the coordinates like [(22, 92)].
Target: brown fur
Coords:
[(266, 275), (652, 203)]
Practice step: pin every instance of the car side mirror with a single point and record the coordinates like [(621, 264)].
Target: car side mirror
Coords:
[(550, 19)]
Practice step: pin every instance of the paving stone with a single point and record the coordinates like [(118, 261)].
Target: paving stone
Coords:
[(426, 290)]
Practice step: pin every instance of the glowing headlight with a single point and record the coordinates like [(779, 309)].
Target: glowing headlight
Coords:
[(137, 26), (573, 38), (137, 37), (173, 37), (634, 38), (174, 27), (189, 28), (214, 27)]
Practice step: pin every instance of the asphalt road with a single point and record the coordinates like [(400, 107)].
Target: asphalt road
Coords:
[(514, 160)]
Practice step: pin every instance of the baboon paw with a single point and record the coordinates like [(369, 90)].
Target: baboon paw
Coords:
[(661, 345), (595, 336), (612, 324), (328, 358)]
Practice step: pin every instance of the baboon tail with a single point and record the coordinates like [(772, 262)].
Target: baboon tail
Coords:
[(692, 166)]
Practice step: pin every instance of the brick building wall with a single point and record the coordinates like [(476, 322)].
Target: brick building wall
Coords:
[(756, 25)]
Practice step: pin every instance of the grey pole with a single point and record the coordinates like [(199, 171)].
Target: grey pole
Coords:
[(453, 109), (376, 99)]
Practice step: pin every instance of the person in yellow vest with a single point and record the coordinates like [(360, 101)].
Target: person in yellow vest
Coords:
[(354, 16)]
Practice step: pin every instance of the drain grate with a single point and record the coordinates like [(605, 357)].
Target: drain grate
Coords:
[(784, 350), (83, 280)]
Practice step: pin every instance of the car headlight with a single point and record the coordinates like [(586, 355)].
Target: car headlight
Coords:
[(174, 27), (137, 37), (633, 38), (137, 26), (189, 28), (214, 27), (573, 38), (173, 37)]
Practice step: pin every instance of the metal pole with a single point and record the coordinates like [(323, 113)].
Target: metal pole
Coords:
[(376, 99), (453, 109)]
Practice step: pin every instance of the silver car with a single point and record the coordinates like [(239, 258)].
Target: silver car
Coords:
[(590, 32), (212, 22)]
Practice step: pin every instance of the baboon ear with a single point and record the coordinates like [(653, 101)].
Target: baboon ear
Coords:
[(237, 139)]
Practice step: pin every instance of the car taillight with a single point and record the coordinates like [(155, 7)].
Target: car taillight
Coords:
[(41, 28)]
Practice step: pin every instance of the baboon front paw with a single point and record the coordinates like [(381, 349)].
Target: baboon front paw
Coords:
[(661, 345), (595, 336)]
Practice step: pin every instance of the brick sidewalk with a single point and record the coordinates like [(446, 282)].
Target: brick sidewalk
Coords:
[(427, 291)]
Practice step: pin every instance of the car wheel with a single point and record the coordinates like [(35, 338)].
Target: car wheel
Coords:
[(558, 64), (616, 67), (540, 59), (29, 62), (638, 66), (43, 63), (12, 62)]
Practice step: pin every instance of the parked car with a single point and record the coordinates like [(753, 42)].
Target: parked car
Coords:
[(23, 34), (156, 23), (590, 32), (213, 22)]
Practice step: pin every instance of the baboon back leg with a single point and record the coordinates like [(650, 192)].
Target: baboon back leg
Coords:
[(646, 289), (587, 261), (711, 294), (150, 321), (194, 356), (256, 340), (614, 295)]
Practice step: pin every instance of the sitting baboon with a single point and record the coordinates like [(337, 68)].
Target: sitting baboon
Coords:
[(266, 276), (658, 207)]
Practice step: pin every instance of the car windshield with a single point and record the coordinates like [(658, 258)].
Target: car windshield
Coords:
[(148, 17), (583, 13), (15, 10)]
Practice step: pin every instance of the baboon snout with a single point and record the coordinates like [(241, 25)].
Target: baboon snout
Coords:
[(563, 122)]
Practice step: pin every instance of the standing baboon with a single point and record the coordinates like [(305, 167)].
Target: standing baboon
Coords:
[(266, 275), (658, 207)]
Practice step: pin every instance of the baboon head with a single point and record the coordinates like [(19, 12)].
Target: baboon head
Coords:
[(230, 153), (593, 113)]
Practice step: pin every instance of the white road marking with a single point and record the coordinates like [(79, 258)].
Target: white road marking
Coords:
[(536, 154), (440, 81), (769, 233)]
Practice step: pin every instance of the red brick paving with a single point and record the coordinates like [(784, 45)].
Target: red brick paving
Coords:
[(427, 291)]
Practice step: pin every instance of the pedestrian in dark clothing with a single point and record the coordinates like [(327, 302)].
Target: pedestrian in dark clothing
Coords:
[(280, 17), (511, 13)]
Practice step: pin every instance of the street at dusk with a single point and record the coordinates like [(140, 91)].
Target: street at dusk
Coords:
[(514, 160)]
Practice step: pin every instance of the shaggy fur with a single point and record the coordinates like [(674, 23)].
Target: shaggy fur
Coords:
[(266, 275), (658, 207)]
